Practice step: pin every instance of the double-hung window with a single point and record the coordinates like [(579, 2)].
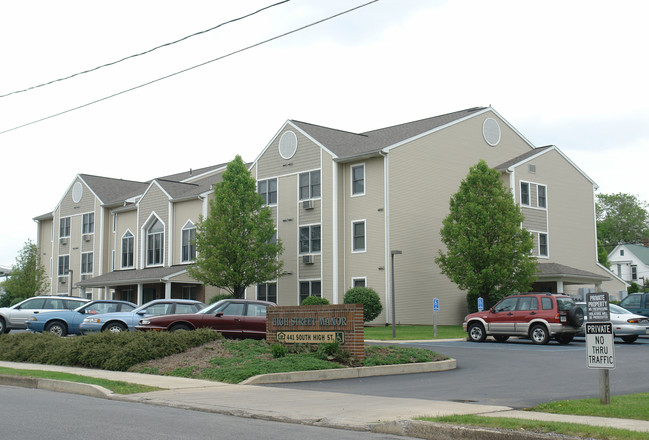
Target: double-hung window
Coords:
[(267, 292), (127, 250), (358, 180), (310, 239), (541, 197), (525, 194), (155, 246), (88, 223), (268, 191), (310, 288), (64, 227), (358, 236), (64, 264), (188, 246), (543, 245), (309, 185), (86, 262)]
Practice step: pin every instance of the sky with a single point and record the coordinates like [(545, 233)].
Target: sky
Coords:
[(568, 73)]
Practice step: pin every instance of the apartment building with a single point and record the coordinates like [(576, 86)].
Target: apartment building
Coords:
[(351, 209)]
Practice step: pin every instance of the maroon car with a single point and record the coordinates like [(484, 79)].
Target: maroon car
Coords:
[(233, 318)]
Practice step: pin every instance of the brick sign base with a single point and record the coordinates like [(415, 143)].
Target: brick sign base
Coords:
[(341, 323)]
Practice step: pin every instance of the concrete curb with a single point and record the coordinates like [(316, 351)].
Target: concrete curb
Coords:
[(351, 373), (65, 386)]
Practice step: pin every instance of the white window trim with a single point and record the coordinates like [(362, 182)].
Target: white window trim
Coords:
[(145, 236), (351, 180), (547, 244), (538, 205), (267, 192), (358, 279), (69, 227), (529, 193), (83, 216), (311, 197), (311, 251), (58, 266), (81, 271), (354, 222)]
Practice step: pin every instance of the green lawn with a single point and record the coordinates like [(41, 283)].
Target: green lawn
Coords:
[(411, 332)]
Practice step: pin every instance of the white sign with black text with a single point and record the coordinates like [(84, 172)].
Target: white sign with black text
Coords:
[(599, 345)]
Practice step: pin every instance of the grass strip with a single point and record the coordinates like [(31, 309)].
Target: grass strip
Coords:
[(573, 429), (414, 332), (629, 406), (117, 387)]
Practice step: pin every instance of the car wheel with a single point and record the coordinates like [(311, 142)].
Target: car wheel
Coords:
[(57, 328), (576, 317), (476, 332), (565, 339), (630, 339), (115, 327), (3, 326), (539, 335), (501, 338), (181, 327)]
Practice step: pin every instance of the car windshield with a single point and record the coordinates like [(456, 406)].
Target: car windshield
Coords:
[(565, 304)]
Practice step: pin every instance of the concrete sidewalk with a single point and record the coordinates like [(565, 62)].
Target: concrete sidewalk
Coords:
[(338, 410)]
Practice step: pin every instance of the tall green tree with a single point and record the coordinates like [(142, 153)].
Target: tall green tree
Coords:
[(27, 276), (236, 245), (488, 252), (621, 218)]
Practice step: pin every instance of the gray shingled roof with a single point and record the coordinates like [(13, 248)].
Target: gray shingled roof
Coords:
[(503, 166), (550, 270), (345, 144), (134, 276), (113, 191), (179, 177)]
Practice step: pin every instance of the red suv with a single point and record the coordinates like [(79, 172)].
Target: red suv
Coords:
[(538, 316)]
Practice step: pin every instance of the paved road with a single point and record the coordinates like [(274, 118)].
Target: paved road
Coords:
[(32, 414), (516, 373)]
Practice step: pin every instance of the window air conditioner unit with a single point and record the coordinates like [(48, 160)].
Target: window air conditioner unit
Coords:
[(63, 280), (64, 240), (307, 259), (84, 277), (86, 237), (307, 204)]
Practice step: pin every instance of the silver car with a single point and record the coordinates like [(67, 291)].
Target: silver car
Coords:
[(14, 317), (626, 325)]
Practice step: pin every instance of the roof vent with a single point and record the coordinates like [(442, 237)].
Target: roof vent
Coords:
[(77, 192), (287, 145), (491, 131)]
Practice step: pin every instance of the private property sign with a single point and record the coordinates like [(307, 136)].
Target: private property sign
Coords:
[(599, 345)]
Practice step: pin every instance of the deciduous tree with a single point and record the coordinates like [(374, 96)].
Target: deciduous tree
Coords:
[(621, 218), (235, 244), (27, 276), (488, 253)]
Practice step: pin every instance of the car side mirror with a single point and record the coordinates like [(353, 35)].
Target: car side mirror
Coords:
[(142, 312), (219, 314), (492, 310)]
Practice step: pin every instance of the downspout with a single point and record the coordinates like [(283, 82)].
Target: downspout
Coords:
[(386, 222), (334, 231)]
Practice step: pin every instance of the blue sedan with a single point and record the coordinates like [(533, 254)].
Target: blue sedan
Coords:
[(67, 322), (119, 322)]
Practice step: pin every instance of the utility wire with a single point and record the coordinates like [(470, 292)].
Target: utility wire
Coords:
[(145, 52), (193, 67)]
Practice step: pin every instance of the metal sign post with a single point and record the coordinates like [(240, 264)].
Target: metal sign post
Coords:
[(600, 347), (435, 310)]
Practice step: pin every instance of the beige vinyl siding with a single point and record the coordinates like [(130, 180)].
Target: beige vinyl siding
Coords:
[(155, 201), (183, 212), (310, 216), (45, 242), (422, 177), (271, 164), (370, 208), (535, 219), (286, 220)]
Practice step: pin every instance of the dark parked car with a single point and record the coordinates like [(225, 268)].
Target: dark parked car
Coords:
[(636, 303), (68, 322), (538, 316), (233, 318)]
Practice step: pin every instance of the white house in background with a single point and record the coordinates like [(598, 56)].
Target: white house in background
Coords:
[(630, 262)]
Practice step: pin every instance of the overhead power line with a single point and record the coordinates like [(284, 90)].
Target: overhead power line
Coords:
[(112, 63), (193, 67)]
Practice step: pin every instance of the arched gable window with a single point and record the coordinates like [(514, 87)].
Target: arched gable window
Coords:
[(127, 249), (155, 243), (188, 246)]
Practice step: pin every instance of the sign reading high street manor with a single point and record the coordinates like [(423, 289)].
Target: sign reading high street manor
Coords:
[(318, 324)]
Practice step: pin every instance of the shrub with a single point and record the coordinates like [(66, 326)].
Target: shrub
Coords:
[(369, 298), (314, 301), (221, 296), (278, 350)]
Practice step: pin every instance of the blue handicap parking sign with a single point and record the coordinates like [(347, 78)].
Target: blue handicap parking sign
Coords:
[(480, 304), (436, 304)]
